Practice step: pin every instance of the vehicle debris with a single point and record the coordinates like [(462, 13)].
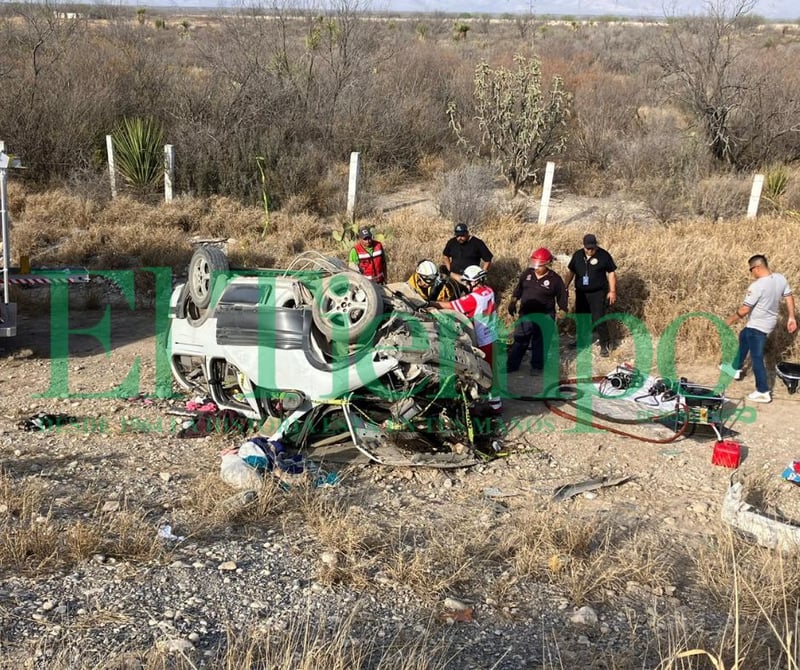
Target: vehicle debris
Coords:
[(766, 531), (568, 491), (334, 357)]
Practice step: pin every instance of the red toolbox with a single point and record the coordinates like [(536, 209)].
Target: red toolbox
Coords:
[(727, 453)]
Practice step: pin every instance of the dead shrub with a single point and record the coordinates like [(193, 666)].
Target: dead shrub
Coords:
[(466, 195), (605, 106), (516, 210), (663, 199), (791, 197), (721, 197)]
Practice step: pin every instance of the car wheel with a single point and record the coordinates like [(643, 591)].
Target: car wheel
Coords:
[(347, 307), (195, 316), (205, 262)]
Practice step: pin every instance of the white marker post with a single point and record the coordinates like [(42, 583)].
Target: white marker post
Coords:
[(755, 196), (169, 171), (112, 173), (550, 168), (8, 310), (352, 185)]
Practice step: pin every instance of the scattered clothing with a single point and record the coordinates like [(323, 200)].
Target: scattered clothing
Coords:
[(245, 467), (44, 421)]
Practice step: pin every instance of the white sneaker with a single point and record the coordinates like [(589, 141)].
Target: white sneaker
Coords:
[(757, 396), (731, 371)]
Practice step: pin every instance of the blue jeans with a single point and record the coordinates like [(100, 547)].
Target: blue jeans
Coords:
[(753, 341)]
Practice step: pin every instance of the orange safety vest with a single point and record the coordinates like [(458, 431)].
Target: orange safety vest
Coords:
[(371, 262)]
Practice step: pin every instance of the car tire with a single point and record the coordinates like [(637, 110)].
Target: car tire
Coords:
[(347, 307), (195, 316), (205, 262)]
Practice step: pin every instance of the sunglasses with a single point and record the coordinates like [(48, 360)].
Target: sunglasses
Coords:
[(753, 267)]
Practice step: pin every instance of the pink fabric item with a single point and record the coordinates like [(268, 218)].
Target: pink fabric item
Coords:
[(201, 407)]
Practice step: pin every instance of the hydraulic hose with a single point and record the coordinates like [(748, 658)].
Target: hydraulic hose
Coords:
[(548, 400)]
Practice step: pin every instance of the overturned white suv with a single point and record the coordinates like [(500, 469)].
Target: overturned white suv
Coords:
[(330, 353)]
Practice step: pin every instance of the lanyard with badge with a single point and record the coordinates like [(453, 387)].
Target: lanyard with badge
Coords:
[(585, 279)]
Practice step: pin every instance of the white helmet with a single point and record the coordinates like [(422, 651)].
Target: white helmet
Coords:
[(474, 274), (427, 271)]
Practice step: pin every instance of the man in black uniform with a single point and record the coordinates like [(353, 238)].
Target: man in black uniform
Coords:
[(538, 291), (464, 250), (594, 272)]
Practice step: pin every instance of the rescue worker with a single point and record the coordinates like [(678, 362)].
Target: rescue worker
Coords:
[(595, 275), (478, 305), (428, 283), (368, 257), (538, 291)]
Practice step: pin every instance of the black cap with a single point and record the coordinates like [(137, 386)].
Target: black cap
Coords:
[(589, 241), (365, 233), (460, 229)]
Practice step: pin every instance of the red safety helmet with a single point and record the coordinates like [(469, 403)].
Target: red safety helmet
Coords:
[(540, 257)]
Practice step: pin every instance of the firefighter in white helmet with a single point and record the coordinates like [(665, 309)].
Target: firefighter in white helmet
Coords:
[(479, 305), (430, 284)]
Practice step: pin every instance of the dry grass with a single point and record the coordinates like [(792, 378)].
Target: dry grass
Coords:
[(305, 644), (664, 272), (587, 557), (37, 537), (436, 561), (212, 507)]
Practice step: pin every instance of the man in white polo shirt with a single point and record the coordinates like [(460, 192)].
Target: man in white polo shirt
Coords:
[(760, 306)]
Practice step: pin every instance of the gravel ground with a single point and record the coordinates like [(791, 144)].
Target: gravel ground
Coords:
[(283, 570)]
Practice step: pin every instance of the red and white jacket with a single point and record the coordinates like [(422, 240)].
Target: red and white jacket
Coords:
[(480, 307)]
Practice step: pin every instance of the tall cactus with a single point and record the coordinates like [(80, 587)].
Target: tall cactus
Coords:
[(518, 122)]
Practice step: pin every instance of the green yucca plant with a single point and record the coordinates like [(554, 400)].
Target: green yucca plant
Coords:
[(139, 151), (775, 182)]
